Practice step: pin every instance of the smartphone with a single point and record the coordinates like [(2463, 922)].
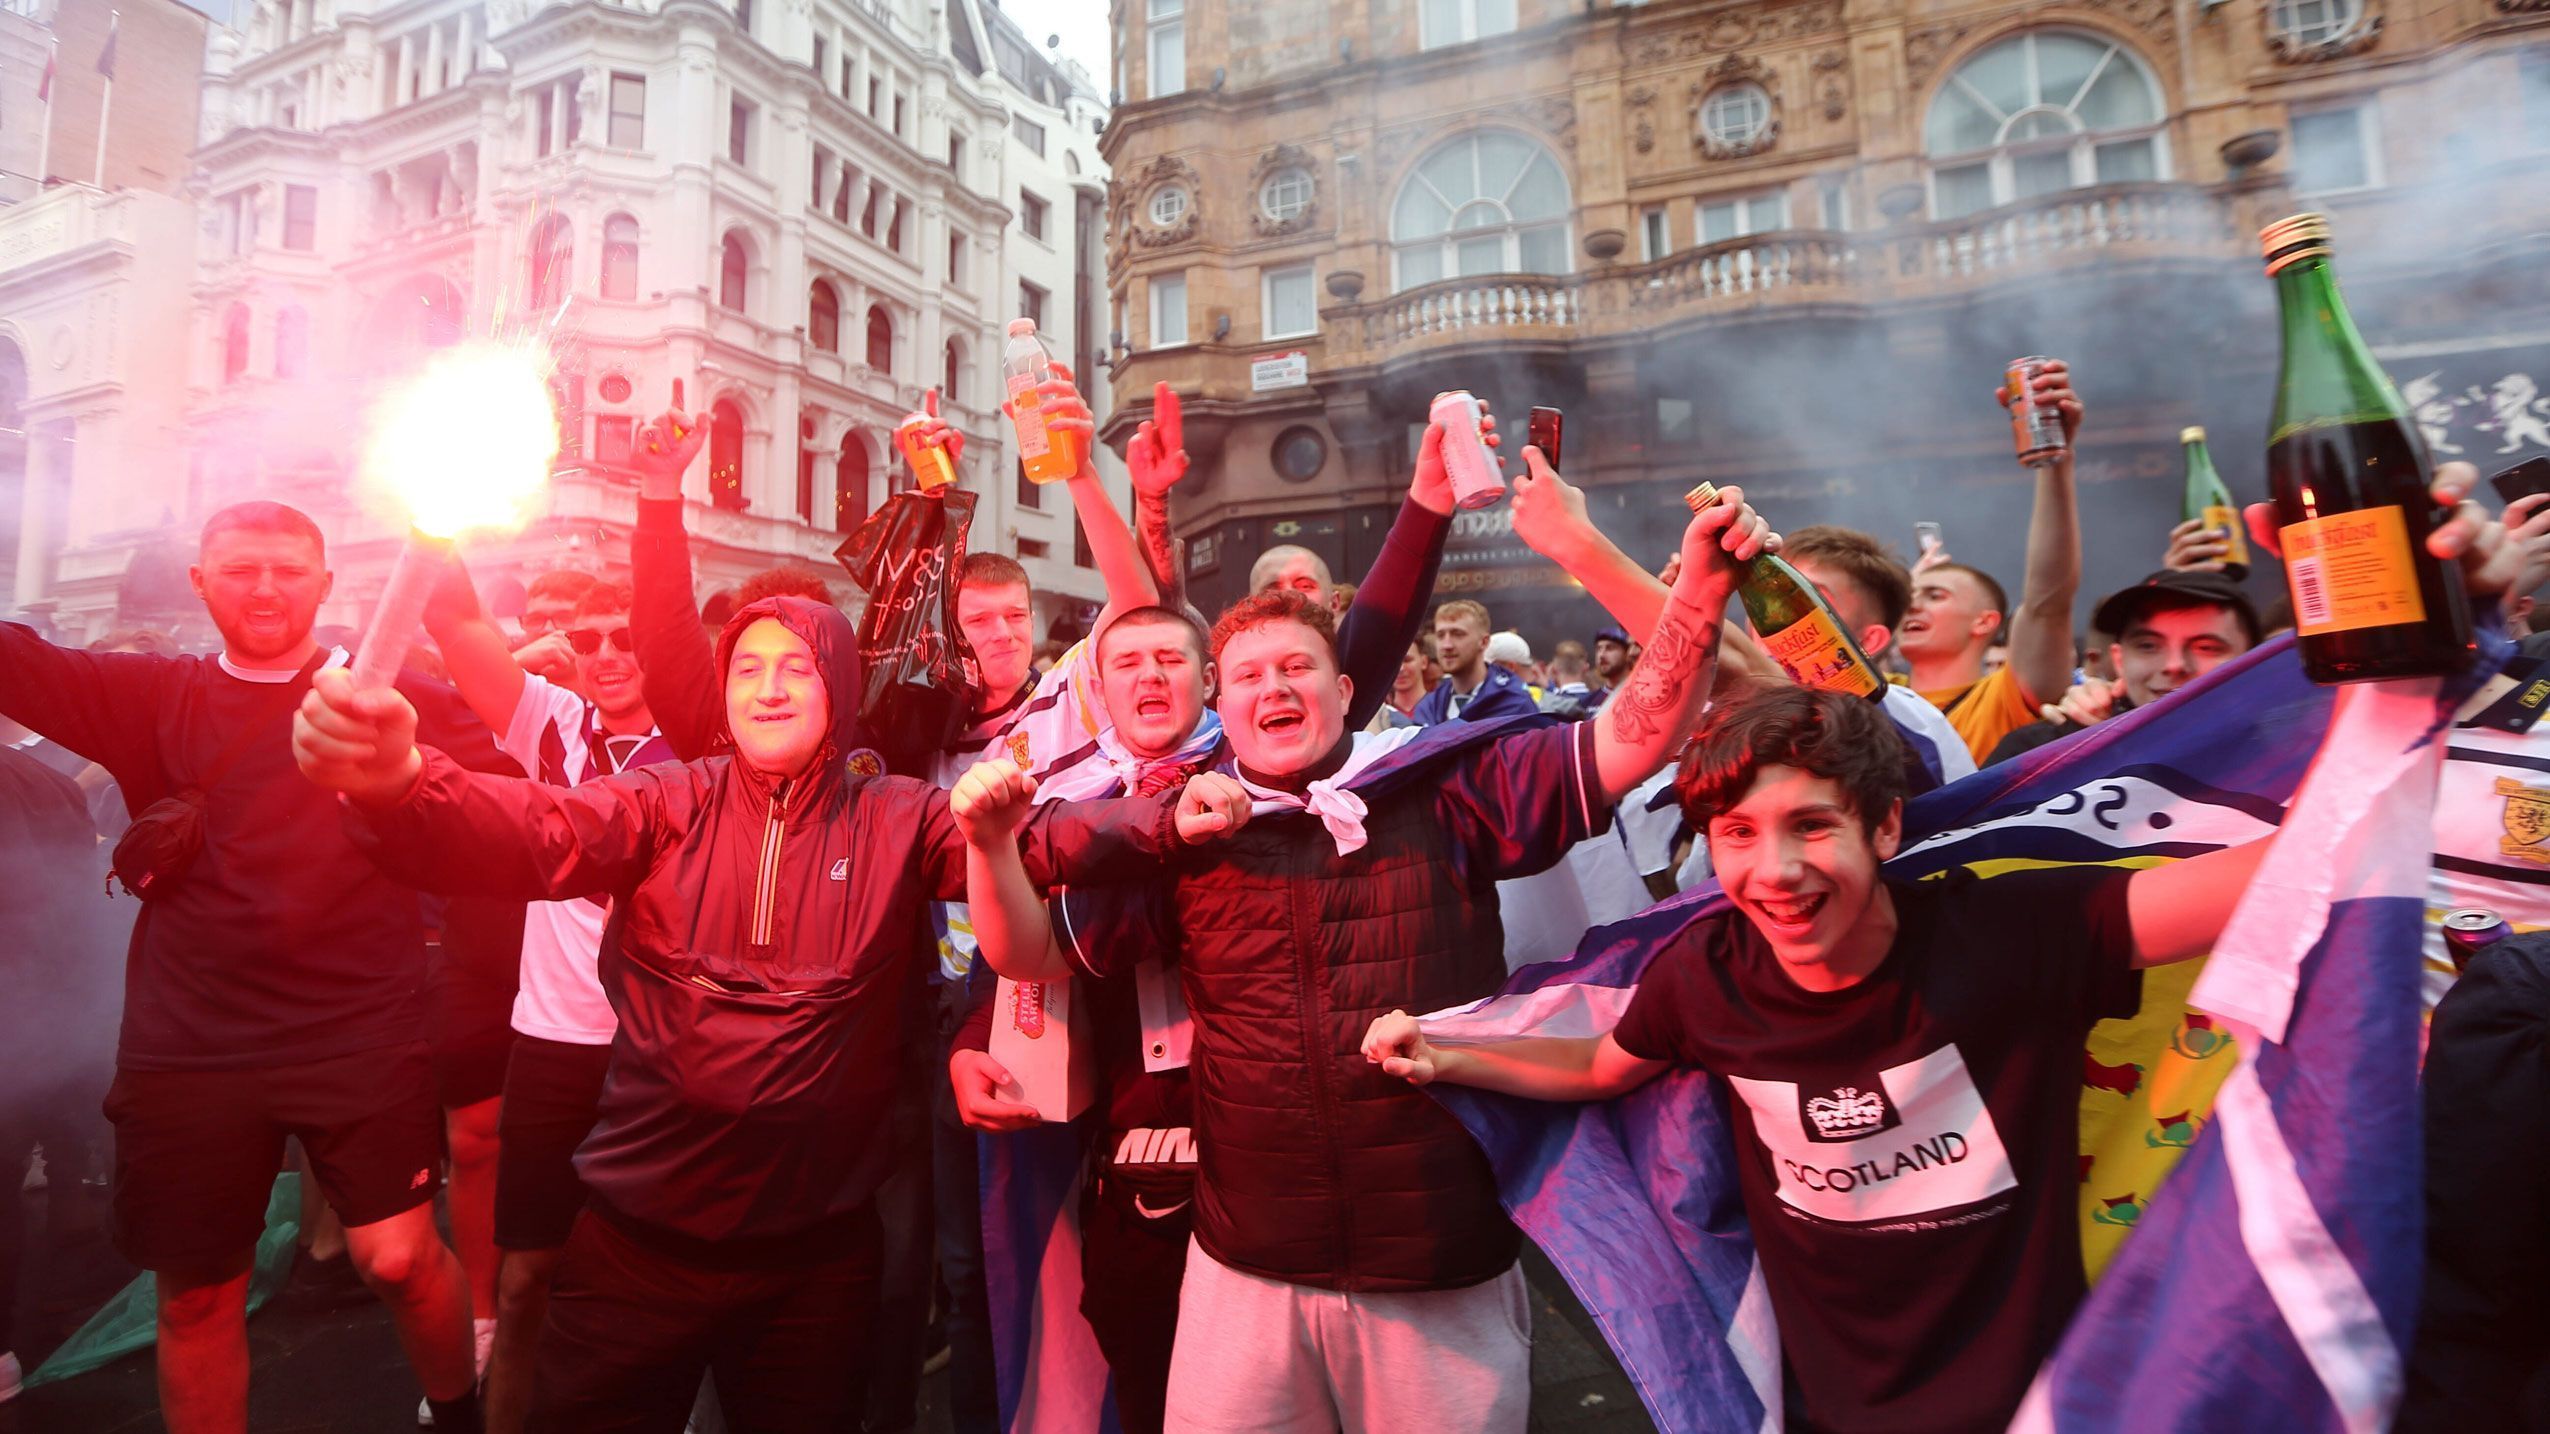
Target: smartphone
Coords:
[(2525, 478), (1543, 430), (1925, 537)]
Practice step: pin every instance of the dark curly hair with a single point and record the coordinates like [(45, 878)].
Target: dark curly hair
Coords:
[(1828, 734), (1274, 605)]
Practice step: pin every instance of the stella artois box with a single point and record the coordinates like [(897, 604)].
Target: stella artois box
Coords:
[(1042, 1038)]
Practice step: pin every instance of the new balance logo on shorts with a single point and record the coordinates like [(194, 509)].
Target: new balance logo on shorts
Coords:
[(421, 1177)]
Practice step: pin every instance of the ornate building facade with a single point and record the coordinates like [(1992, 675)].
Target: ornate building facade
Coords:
[(797, 215), (1791, 242)]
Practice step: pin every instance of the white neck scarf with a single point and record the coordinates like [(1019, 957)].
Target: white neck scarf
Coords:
[(1338, 809)]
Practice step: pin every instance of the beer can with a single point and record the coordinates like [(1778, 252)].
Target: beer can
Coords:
[(1467, 459), (2036, 428), (2468, 928)]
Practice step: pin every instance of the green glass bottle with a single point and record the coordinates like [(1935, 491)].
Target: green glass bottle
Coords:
[(2349, 474), (2208, 500), (1796, 625)]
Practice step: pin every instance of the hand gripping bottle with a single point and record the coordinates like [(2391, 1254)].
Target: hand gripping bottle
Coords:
[(1048, 457)]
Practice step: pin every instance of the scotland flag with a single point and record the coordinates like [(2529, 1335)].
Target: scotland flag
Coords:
[(1635, 1200)]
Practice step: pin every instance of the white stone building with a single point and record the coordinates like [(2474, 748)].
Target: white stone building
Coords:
[(798, 213)]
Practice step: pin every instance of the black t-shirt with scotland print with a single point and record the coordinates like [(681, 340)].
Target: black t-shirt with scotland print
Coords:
[(1908, 1148)]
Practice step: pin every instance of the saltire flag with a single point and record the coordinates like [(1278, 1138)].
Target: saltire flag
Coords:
[(106, 57), (1635, 1200), (2278, 1284)]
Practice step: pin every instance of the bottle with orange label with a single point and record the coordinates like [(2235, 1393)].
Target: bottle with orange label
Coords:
[(2208, 500), (1048, 457), (930, 466), (1795, 625), (2349, 474)]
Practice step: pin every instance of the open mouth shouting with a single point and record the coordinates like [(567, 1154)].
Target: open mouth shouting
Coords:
[(1790, 917)]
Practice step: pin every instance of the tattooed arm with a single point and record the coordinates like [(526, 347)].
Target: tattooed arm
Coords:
[(1157, 459), (1643, 725)]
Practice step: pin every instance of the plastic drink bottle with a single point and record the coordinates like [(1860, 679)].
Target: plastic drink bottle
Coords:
[(1047, 456)]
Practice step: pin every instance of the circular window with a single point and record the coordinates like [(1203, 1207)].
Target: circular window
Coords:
[(1168, 206), (614, 388), (1736, 115), (2310, 23), (1300, 453), (1285, 194)]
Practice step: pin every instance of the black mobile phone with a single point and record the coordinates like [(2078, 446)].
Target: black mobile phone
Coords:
[(1543, 430), (2525, 478)]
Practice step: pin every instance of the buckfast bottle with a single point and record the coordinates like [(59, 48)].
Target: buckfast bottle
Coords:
[(2208, 500), (1048, 457), (1796, 625), (2349, 475)]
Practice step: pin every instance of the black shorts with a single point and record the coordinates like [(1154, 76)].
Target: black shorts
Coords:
[(553, 1091), (196, 1152)]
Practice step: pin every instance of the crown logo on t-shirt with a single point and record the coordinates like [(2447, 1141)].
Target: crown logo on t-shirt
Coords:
[(1847, 1111)]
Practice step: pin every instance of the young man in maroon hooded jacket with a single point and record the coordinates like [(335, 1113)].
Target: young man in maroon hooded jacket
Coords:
[(763, 906)]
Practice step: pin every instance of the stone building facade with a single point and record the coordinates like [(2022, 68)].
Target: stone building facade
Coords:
[(1790, 243), (794, 214)]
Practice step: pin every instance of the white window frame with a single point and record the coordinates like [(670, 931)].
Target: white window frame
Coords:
[(2368, 140), (1032, 203), (1160, 338), (1164, 42), (1290, 178), (1448, 241), (1309, 275), (1173, 219), (2342, 18), (2080, 147), (1759, 113), (1467, 30), (1655, 232), (1747, 220)]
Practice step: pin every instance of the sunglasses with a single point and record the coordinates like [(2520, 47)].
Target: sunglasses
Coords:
[(588, 641)]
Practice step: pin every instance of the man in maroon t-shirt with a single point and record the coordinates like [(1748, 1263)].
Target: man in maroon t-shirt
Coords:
[(271, 988)]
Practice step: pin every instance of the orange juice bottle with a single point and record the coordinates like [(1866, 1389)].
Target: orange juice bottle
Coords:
[(1047, 456), (930, 467)]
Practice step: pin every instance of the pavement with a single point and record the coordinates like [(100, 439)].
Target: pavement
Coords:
[(339, 1371)]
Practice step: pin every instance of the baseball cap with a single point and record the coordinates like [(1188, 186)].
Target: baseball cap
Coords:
[(1612, 633), (2169, 590), (1508, 647)]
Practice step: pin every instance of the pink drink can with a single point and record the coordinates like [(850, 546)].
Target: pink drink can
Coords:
[(1467, 460)]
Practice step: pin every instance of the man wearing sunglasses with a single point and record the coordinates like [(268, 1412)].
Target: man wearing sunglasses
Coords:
[(549, 608), (562, 1023)]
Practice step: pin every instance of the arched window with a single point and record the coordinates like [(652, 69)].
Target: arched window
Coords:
[(880, 339), (726, 455), (619, 257), (733, 263), (2039, 113), (234, 343), (292, 342), (1488, 203), (823, 316), (806, 468), (552, 262), (850, 485), (952, 382)]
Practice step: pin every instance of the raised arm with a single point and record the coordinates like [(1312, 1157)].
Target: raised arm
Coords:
[(1129, 583), (102, 705), (426, 821), (682, 686), (2041, 630), (482, 666), (1643, 726), (1390, 604), (1537, 1067), (1157, 460), (1550, 518)]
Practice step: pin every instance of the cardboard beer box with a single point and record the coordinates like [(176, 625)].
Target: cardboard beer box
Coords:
[(1034, 1025)]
